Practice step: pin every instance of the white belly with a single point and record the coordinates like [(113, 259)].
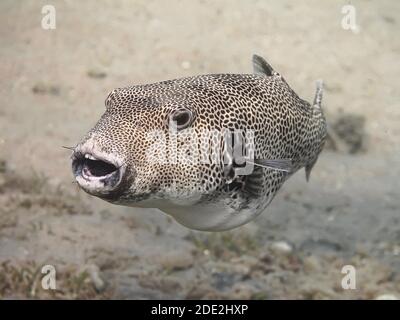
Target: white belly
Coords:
[(209, 216)]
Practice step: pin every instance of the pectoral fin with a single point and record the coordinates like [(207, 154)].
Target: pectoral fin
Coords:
[(285, 165), (254, 183)]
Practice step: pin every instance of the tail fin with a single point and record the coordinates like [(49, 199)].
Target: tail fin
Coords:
[(318, 97), (317, 112)]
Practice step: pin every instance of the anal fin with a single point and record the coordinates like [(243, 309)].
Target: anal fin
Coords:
[(308, 169)]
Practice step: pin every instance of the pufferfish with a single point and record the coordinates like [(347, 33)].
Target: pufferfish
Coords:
[(211, 150)]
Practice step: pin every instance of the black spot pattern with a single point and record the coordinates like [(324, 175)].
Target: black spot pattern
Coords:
[(285, 127)]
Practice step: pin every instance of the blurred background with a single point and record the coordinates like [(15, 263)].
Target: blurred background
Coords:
[(54, 83)]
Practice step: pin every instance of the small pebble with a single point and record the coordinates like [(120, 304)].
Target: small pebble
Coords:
[(97, 74), (94, 274), (311, 264), (42, 88), (176, 260), (281, 247)]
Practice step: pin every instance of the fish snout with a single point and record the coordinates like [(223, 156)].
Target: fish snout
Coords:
[(97, 173)]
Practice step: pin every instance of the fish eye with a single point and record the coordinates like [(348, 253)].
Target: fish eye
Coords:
[(182, 118)]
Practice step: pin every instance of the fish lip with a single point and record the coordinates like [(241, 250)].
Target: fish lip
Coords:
[(97, 174)]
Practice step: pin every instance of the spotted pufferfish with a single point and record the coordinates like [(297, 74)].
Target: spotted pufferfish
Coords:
[(126, 157)]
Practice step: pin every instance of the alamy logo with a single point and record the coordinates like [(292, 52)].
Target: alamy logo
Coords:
[(349, 280), (49, 278), (49, 18), (234, 149), (349, 19)]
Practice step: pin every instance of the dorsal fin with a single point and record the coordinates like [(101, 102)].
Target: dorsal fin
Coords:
[(260, 66)]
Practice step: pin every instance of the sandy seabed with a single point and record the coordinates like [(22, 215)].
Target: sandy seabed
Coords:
[(54, 82)]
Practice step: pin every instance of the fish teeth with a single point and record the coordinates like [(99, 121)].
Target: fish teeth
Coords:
[(89, 156)]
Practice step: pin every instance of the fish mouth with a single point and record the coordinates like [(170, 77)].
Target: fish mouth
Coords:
[(97, 175)]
